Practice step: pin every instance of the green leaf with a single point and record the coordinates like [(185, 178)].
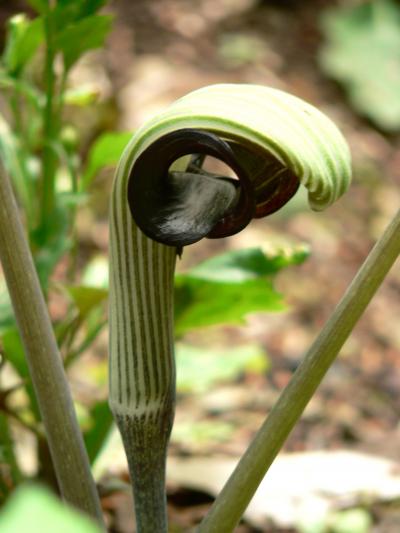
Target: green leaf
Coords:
[(101, 421), (31, 93), (225, 288), (201, 302), (81, 36), (39, 5), (15, 354), (86, 298), (200, 369), (7, 319), (33, 509), (251, 263), (23, 38), (105, 152), (52, 243), (12, 162), (362, 51), (68, 11)]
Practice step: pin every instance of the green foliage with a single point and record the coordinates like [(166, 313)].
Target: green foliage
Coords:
[(14, 354), (34, 509), (199, 369), (70, 12), (224, 289), (247, 264), (6, 312), (95, 435), (51, 242), (40, 154), (105, 152), (24, 37), (362, 51), (10, 156), (81, 36), (39, 5), (86, 299), (200, 302)]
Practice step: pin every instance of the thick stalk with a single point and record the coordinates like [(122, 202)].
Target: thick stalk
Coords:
[(65, 440), (269, 123), (241, 486), (142, 367)]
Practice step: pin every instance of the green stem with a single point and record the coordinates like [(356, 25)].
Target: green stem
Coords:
[(146, 443), (56, 406), (241, 486)]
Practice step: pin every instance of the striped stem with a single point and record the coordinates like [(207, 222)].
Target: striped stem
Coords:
[(273, 141), (142, 367)]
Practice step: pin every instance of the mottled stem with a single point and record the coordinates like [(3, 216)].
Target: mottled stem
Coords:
[(146, 441)]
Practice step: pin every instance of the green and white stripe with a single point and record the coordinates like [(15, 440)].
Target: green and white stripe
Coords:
[(142, 373)]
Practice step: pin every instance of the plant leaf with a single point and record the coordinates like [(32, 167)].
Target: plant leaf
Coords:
[(105, 152), (51, 244), (7, 319), (86, 298), (96, 435), (201, 302), (15, 355), (79, 37), (13, 164), (14, 352), (362, 51), (32, 507), (225, 288), (39, 5), (200, 369), (68, 11), (278, 123), (250, 263), (23, 38)]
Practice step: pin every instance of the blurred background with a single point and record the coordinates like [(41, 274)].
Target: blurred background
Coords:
[(344, 58)]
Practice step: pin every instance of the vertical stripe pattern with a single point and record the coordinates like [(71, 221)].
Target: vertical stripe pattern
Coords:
[(142, 371)]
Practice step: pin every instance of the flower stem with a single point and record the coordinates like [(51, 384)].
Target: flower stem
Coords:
[(241, 486), (44, 360)]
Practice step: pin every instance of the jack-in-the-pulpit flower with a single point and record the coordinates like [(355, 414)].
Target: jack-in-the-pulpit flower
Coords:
[(273, 142)]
